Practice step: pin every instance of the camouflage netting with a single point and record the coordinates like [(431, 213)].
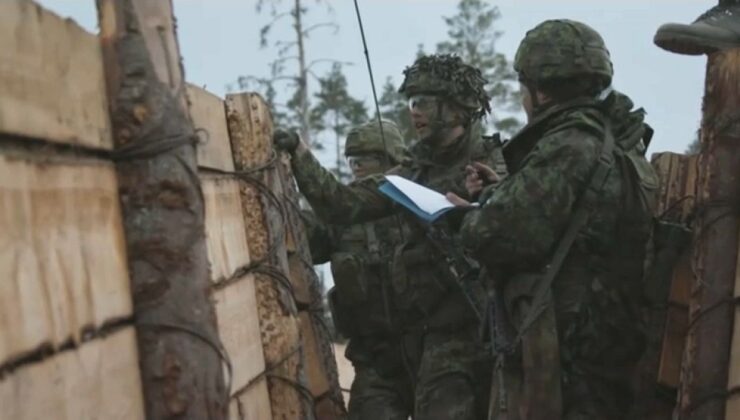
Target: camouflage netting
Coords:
[(447, 75)]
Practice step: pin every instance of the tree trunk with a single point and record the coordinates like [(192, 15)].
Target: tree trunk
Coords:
[(705, 369), (302, 74), (180, 353)]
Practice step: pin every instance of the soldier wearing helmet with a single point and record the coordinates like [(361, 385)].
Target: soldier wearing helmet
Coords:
[(361, 307), (368, 153), (436, 324), (564, 235)]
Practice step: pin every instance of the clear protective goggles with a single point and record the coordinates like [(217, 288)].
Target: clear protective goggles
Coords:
[(363, 161), (424, 103)]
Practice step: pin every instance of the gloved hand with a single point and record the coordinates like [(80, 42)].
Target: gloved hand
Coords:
[(285, 140)]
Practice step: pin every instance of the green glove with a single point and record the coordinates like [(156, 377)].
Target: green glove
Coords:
[(285, 140)]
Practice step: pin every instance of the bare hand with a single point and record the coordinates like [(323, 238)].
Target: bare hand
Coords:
[(457, 200), (478, 176)]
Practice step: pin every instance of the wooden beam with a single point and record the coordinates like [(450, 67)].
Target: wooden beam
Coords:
[(225, 232), (51, 78), (209, 117), (732, 411), (705, 369), (163, 212), (250, 129), (321, 365), (98, 380), (63, 260), (239, 329)]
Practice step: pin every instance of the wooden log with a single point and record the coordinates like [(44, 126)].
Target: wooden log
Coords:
[(321, 365), (678, 174), (209, 115), (163, 212), (225, 231), (705, 369), (98, 380), (250, 130), (732, 411), (252, 403), (676, 324), (667, 314), (51, 78), (63, 265)]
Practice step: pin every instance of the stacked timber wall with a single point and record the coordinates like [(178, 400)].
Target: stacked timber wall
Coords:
[(68, 343)]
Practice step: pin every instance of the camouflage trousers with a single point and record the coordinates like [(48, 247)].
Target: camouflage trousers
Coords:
[(446, 377)]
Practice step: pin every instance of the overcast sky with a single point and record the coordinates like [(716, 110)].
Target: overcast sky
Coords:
[(219, 42)]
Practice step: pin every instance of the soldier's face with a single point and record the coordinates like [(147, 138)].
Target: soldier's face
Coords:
[(365, 165), (433, 118), (424, 111)]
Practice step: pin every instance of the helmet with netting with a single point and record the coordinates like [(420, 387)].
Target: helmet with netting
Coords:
[(447, 76), (562, 49), (367, 139)]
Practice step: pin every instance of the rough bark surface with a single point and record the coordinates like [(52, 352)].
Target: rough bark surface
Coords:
[(323, 378), (250, 129), (180, 353), (703, 390)]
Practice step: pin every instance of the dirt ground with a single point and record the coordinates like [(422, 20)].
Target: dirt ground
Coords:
[(346, 371)]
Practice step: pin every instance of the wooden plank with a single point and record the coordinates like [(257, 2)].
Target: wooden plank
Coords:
[(238, 327), (99, 380), (677, 324), (708, 343), (51, 78), (250, 130), (318, 379), (662, 164), (321, 366), (225, 231), (208, 113), (63, 265), (732, 410), (252, 404)]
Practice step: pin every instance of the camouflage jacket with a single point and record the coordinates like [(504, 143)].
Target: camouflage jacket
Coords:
[(424, 291), (522, 219), (360, 257)]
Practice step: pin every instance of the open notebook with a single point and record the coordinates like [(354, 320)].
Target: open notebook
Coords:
[(426, 203)]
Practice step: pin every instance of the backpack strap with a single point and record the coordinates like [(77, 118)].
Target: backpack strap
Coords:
[(577, 222)]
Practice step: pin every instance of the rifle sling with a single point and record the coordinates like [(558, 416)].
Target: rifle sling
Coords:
[(576, 223)]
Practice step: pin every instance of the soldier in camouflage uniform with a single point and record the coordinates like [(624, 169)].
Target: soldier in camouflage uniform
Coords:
[(576, 170), (360, 301), (437, 327)]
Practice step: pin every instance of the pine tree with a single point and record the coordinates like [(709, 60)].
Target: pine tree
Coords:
[(291, 70), (472, 36), (336, 111), (695, 146), (394, 106)]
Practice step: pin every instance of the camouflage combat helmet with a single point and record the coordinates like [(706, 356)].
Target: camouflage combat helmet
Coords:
[(562, 49), (447, 75), (366, 139)]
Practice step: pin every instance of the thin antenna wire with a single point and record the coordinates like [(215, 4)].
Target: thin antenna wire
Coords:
[(377, 107), (372, 82)]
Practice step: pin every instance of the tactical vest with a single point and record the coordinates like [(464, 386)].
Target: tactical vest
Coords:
[(429, 291), (360, 300)]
